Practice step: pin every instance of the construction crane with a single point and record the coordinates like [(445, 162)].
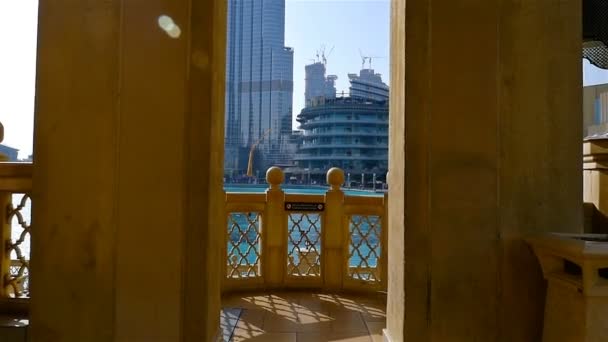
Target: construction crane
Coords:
[(250, 164), (367, 58), (321, 55), (363, 59), (325, 56)]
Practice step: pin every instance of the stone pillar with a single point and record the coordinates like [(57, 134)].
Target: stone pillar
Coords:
[(127, 178), (276, 230), (485, 144), (333, 231), (5, 231)]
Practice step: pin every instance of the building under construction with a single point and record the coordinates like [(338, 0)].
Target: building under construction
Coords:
[(349, 132), (317, 84)]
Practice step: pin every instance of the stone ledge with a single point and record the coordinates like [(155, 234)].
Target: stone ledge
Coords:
[(13, 328), (385, 336), (595, 146)]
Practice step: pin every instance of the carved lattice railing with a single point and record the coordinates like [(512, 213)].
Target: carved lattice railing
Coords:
[(18, 246), (366, 219), (365, 248), (304, 244), (278, 240), (244, 245), (15, 205)]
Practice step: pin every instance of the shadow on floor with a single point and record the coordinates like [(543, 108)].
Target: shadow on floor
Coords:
[(303, 317)]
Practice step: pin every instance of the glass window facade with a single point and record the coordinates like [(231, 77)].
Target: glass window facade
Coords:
[(259, 84)]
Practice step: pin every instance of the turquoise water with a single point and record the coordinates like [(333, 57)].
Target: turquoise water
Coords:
[(295, 189), (304, 234)]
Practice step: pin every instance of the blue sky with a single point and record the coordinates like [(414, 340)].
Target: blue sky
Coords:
[(17, 71), (346, 25), (593, 75), (349, 26)]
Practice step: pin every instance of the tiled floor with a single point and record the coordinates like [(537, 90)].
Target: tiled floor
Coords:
[(303, 317)]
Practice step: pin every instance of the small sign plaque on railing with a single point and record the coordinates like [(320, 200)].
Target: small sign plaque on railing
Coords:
[(304, 206)]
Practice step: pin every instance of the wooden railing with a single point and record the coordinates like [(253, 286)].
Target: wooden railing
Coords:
[(15, 203), (329, 241)]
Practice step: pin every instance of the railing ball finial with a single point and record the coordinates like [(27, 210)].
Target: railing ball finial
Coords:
[(335, 178), (274, 177)]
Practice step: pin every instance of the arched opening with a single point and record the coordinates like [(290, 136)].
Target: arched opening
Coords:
[(306, 156)]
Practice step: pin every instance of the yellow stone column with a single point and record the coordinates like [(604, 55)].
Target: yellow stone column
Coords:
[(127, 197), (384, 239), (334, 232), (274, 230), (5, 231), (485, 130)]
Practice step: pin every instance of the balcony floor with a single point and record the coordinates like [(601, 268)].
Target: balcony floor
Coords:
[(303, 317)]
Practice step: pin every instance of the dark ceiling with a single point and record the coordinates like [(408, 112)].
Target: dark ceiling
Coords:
[(595, 32)]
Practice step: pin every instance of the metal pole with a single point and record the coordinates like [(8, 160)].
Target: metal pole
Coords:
[(374, 182)]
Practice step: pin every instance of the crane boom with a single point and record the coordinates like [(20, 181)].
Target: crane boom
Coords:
[(250, 163)]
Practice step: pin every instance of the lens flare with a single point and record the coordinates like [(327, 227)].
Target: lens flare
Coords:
[(166, 23)]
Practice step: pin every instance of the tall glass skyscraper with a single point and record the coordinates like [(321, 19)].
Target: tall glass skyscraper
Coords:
[(259, 84)]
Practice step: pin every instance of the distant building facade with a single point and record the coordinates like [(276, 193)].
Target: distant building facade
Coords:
[(346, 132), (11, 153), (259, 84), (595, 111), (368, 86)]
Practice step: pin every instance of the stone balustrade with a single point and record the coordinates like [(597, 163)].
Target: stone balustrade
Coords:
[(15, 203), (273, 240), (278, 239)]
